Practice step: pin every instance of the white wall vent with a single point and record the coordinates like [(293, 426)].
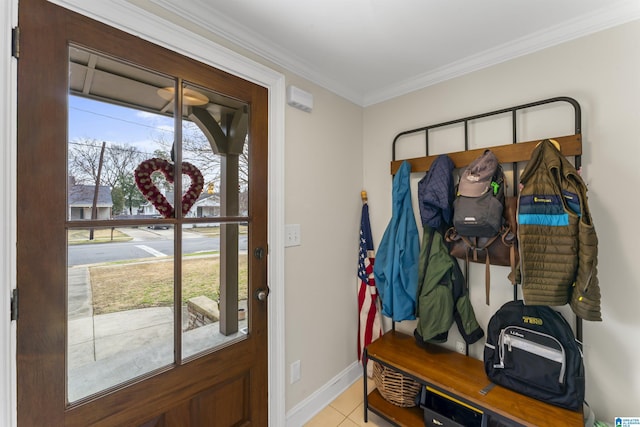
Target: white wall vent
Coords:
[(300, 99)]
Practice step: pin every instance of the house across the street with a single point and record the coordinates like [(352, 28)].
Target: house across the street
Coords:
[(81, 199)]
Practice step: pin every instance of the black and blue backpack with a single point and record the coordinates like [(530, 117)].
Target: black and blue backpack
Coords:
[(531, 349)]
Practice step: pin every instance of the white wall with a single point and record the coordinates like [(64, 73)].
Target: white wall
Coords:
[(602, 72), (323, 180)]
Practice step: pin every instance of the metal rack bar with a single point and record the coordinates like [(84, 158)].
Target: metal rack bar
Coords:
[(466, 120)]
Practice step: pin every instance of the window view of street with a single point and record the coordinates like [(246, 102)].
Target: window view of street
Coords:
[(139, 272)]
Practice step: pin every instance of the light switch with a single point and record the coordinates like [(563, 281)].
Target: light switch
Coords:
[(292, 235)]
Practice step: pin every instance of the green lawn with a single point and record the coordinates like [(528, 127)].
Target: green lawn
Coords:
[(119, 287), (100, 235)]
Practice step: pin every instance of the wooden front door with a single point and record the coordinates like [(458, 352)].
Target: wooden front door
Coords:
[(131, 312)]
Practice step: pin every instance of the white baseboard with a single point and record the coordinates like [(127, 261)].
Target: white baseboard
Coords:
[(308, 408)]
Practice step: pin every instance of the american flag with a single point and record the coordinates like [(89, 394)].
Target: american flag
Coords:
[(369, 323)]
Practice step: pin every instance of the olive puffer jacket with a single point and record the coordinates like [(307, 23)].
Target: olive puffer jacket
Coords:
[(557, 240)]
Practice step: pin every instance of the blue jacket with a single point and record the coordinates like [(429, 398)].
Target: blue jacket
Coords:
[(396, 267), (436, 194)]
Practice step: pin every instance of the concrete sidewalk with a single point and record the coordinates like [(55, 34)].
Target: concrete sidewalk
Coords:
[(79, 296), (106, 350)]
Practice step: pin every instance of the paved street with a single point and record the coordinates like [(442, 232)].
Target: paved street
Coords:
[(146, 243)]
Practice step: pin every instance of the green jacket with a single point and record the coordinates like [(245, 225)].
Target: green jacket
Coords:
[(557, 240), (442, 294)]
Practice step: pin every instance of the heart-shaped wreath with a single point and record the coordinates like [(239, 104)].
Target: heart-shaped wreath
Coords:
[(150, 192)]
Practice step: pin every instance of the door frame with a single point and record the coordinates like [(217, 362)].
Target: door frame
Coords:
[(133, 20)]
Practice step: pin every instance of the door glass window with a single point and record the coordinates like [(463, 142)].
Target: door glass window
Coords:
[(214, 288), (120, 307), (149, 285)]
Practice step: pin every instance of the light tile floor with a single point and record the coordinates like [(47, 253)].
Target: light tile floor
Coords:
[(347, 410)]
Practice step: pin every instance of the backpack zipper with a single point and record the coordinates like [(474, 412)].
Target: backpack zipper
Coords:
[(509, 341)]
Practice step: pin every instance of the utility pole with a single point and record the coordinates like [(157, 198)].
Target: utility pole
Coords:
[(94, 207)]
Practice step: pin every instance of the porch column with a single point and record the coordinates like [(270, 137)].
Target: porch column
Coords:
[(229, 145)]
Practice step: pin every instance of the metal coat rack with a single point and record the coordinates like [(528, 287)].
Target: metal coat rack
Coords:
[(514, 152)]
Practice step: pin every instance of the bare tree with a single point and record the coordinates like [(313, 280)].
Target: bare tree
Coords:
[(84, 157), (117, 172)]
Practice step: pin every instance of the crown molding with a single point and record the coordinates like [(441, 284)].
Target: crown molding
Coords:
[(246, 38), (600, 20), (222, 26), (127, 17)]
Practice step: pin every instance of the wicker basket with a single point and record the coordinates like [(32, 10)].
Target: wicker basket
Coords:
[(395, 387)]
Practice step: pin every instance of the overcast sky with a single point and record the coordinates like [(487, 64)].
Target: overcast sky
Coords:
[(93, 120)]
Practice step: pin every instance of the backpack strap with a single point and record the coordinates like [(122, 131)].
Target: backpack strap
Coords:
[(509, 239), (472, 245)]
